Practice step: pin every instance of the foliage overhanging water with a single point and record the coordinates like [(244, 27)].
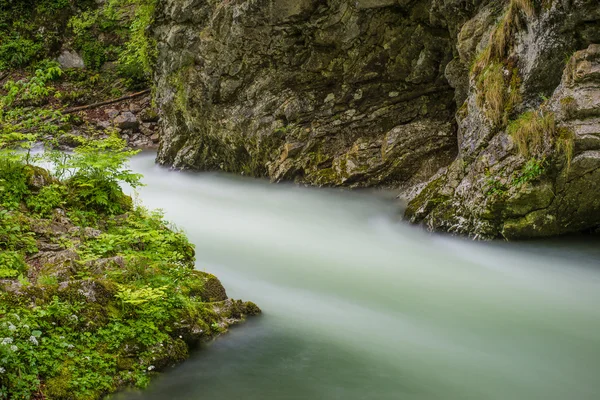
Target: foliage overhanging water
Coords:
[(358, 306)]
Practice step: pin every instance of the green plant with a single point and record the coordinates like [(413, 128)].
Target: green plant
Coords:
[(94, 171), (531, 129), (137, 59), (47, 280), (501, 38), (569, 106), (12, 264), (33, 89), (565, 143), (47, 199), (495, 187), (533, 169)]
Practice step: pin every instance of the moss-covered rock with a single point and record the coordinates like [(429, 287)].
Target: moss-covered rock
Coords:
[(532, 176), (93, 309)]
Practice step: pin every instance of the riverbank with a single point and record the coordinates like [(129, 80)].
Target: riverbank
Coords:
[(96, 293)]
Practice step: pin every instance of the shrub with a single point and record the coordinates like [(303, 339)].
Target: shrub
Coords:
[(497, 95), (93, 173), (565, 143)]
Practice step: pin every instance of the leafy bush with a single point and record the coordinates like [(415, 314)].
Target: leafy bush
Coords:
[(94, 171), (13, 180), (47, 199), (18, 52), (33, 89), (533, 169)]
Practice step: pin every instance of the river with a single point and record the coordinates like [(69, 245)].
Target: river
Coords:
[(357, 305)]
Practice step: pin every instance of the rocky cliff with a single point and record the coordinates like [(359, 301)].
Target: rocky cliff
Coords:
[(485, 115)]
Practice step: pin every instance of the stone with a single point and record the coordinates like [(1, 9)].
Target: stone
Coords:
[(135, 107), (70, 59), (126, 120), (112, 113), (149, 115), (411, 95), (294, 93)]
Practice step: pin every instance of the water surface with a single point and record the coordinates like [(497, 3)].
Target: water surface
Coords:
[(359, 306)]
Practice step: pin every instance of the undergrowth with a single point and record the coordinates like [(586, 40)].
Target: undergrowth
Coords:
[(113, 313)]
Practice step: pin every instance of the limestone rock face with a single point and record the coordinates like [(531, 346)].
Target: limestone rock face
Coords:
[(548, 183), (482, 114), (327, 93)]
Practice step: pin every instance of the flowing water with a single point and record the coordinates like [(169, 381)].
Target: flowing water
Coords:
[(360, 306)]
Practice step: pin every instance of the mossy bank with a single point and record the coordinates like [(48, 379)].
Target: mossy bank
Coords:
[(96, 294)]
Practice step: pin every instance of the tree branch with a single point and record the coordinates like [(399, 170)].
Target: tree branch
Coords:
[(104, 103)]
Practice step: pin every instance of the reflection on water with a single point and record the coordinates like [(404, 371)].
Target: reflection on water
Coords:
[(359, 306)]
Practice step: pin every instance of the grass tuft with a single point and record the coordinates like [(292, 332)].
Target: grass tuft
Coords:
[(530, 129), (565, 143), (503, 35)]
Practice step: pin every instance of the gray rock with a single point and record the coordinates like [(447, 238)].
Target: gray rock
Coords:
[(126, 120), (401, 94), (70, 59), (319, 93)]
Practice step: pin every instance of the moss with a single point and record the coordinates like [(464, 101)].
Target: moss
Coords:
[(212, 289), (429, 199), (463, 111), (126, 363), (59, 387), (569, 106)]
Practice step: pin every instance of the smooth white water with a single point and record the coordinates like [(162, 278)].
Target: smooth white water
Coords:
[(360, 306)]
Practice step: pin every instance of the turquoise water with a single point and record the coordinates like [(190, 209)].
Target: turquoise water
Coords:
[(360, 306)]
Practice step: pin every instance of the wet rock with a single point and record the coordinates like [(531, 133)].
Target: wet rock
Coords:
[(303, 91)]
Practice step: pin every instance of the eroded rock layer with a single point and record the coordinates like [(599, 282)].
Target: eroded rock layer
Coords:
[(328, 93), (483, 114)]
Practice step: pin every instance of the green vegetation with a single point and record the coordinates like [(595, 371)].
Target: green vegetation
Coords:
[(96, 293), (530, 130), (501, 38), (565, 143), (21, 41), (114, 30), (498, 84), (123, 25), (532, 170)]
